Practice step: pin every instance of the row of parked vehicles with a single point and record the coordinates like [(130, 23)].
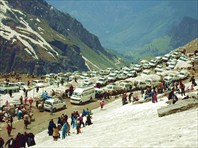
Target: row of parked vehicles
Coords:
[(115, 81)]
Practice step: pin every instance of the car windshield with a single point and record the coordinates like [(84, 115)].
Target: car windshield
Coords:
[(101, 79), (77, 94), (49, 103)]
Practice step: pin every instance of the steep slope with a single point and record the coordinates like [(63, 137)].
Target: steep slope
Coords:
[(37, 38), (132, 27)]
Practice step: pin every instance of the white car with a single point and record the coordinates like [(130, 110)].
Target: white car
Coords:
[(140, 84), (183, 74), (125, 86), (137, 68), (166, 57), (122, 76), (158, 69), (132, 74), (168, 79), (87, 82), (55, 104), (152, 82), (174, 76), (146, 66), (102, 81), (171, 66), (112, 88), (146, 72), (112, 77)]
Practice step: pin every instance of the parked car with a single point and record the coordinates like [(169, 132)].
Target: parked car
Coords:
[(112, 77), (87, 82), (140, 84), (174, 76), (146, 66), (132, 74), (122, 76), (158, 69), (137, 67), (146, 72), (166, 57), (183, 74), (102, 81), (125, 86), (99, 93), (54, 103), (168, 79), (113, 89), (152, 82), (153, 63)]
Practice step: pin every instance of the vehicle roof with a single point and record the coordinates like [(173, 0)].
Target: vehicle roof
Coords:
[(82, 89), (52, 100)]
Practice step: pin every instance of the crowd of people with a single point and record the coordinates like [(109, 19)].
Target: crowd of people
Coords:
[(176, 87), (77, 122), (24, 112), (20, 141)]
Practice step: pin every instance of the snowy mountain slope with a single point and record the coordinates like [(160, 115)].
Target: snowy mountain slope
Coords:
[(20, 33), (132, 126), (31, 42)]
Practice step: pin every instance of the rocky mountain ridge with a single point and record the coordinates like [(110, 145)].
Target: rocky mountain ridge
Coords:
[(37, 38)]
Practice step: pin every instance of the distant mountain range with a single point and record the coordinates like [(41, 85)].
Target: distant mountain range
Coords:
[(137, 29), (37, 38)]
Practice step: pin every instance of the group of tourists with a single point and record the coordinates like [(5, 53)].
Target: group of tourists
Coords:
[(176, 87), (77, 122), (23, 111), (20, 141), (179, 87)]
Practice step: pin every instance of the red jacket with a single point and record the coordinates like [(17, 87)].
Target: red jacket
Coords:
[(9, 128)]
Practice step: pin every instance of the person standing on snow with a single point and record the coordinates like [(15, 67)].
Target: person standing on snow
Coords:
[(64, 130), (154, 96), (88, 122), (55, 133), (78, 128), (73, 120), (102, 103), (172, 96), (193, 81), (50, 127), (182, 87)]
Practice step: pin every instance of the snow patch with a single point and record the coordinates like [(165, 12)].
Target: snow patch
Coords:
[(40, 29), (18, 12), (51, 8), (131, 125), (20, 34), (37, 19), (86, 60)]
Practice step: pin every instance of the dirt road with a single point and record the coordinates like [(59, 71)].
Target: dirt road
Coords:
[(42, 118)]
